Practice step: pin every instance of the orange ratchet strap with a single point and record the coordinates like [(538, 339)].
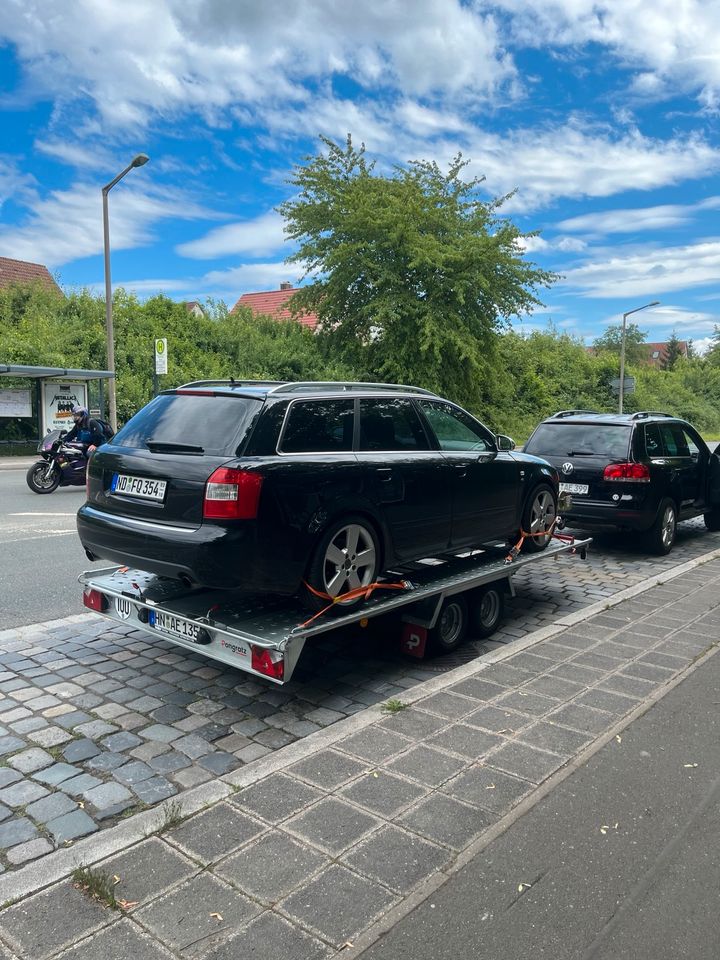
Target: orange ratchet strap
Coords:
[(364, 592)]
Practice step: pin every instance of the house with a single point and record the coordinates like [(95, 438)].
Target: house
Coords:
[(273, 303), (657, 353), (22, 271), (194, 308)]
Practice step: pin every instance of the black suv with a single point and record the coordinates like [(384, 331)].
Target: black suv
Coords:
[(636, 471), (266, 486)]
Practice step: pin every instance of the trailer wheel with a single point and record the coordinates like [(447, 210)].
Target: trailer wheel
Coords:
[(451, 627), (486, 612), (346, 557)]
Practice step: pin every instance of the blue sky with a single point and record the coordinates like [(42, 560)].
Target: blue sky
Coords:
[(605, 116)]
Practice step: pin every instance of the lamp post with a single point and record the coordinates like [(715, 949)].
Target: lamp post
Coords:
[(622, 349), (137, 161)]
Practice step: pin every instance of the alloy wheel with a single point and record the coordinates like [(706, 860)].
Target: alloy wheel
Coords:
[(350, 560), (542, 516)]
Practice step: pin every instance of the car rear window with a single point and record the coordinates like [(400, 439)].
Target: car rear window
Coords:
[(606, 440), (218, 424)]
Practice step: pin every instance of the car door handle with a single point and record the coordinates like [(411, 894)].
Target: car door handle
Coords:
[(384, 473), (460, 469)]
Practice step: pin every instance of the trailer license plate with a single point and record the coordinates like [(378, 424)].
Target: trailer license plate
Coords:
[(128, 486), (174, 626), (574, 488)]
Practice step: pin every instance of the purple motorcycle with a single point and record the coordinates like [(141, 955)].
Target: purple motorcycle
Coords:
[(62, 464)]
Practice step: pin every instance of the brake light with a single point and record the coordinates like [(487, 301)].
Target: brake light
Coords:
[(629, 472), (232, 495), (95, 600), (268, 662)]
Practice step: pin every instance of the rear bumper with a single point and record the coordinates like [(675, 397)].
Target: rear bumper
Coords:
[(610, 516), (210, 555)]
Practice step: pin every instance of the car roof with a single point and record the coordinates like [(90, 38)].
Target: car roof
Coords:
[(304, 388), (620, 419)]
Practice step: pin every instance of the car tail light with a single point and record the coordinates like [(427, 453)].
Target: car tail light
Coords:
[(268, 662), (232, 495), (95, 600), (629, 472)]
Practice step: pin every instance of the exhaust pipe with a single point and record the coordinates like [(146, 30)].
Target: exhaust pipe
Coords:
[(91, 556)]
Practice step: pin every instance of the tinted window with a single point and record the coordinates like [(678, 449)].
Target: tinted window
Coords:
[(692, 446), (318, 426), (580, 439), (653, 441), (217, 424), (391, 425), (455, 429), (674, 440)]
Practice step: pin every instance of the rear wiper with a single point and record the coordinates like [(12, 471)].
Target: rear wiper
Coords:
[(169, 446), (580, 453)]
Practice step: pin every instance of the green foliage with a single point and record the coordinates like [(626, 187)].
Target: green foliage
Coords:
[(673, 352), (413, 274), (611, 341)]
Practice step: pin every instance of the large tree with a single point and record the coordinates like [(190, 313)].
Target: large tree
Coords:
[(412, 273), (611, 341)]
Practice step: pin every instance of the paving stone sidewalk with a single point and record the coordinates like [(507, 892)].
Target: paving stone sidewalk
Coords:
[(98, 722), (308, 849)]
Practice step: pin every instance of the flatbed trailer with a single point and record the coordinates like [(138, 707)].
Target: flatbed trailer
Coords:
[(265, 636)]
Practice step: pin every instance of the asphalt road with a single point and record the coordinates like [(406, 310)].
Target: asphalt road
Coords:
[(40, 553)]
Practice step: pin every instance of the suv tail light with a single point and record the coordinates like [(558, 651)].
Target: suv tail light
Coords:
[(232, 495), (629, 472)]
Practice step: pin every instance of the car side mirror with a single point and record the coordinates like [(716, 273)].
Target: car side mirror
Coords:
[(504, 443)]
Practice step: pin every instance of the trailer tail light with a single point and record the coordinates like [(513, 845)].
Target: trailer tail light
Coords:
[(232, 495), (94, 600), (268, 662), (628, 472)]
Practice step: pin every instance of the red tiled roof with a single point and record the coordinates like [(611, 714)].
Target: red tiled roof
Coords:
[(21, 271), (272, 303)]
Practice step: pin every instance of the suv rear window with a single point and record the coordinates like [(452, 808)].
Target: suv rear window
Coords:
[(607, 440), (217, 424)]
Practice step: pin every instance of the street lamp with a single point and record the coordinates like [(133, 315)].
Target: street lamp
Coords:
[(622, 348), (137, 161)]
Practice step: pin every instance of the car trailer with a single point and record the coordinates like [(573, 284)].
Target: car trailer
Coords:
[(265, 636)]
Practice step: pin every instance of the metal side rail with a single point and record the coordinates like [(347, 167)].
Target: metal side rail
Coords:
[(265, 636)]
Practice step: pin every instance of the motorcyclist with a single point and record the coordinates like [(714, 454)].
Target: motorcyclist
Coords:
[(86, 431)]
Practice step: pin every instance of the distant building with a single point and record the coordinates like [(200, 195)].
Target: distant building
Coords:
[(273, 303), (22, 271), (195, 308), (657, 352)]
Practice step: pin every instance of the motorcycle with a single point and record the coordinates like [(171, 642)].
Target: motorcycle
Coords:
[(63, 464)]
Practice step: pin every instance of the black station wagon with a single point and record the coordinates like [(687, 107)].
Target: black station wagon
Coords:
[(267, 487)]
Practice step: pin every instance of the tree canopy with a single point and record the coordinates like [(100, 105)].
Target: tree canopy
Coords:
[(413, 274), (611, 341)]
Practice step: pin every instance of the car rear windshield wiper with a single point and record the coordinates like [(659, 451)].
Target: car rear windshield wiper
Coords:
[(580, 453), (170, 446)]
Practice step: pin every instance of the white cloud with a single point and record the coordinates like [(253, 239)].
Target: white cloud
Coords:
[(635, 220), (67, 224), (249, 278), (648, 273), (258, 237)]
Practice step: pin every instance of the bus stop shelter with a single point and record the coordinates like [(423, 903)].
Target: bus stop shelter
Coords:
[(45, 396)]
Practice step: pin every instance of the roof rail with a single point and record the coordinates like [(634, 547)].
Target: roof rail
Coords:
[(232, 383), (642, 414), (341, 385), (570, 413)]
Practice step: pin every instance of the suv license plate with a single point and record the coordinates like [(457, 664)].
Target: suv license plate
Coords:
[(574, 488), (141, 487), (175, 626)]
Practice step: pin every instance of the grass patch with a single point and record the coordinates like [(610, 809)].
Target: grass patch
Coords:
[(393, 706), (98, 886), (172, 816)]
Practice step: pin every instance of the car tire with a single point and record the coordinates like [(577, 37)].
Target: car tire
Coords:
[(539, 516), (486, 610), (334, 568), (36, 478), (712, 520), (450, 628), (661, 535)]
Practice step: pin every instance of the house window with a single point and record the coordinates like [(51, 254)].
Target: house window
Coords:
[(656, 354)]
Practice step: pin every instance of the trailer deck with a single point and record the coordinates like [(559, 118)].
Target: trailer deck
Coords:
[(265, 636)]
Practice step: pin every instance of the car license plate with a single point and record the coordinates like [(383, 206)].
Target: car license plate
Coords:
[(574, 488), (141, 487), (175, 626)]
